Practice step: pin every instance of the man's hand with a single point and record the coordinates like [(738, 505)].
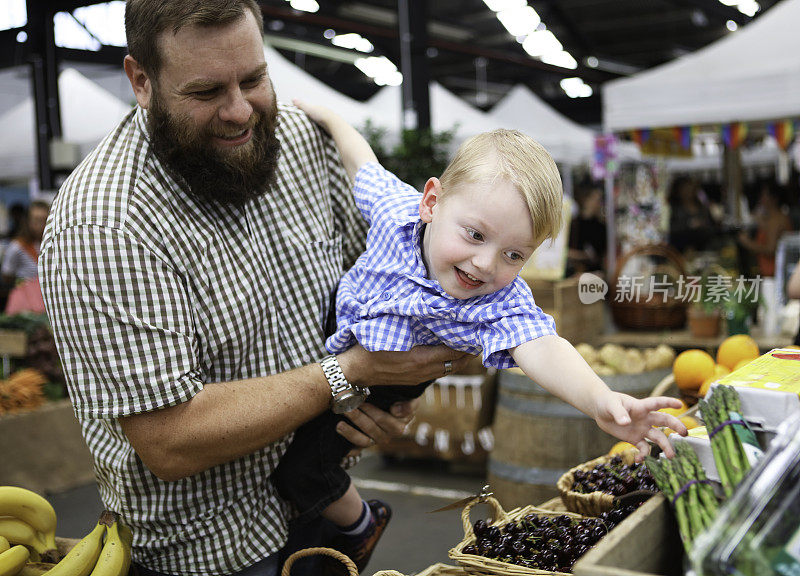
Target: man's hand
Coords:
[(635, 420), (420, 364), (377, 426)]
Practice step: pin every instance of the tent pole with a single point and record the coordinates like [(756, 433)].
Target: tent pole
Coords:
[(414, 64), (44, 73)]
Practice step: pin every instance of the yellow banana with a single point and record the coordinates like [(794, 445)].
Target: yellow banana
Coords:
[(81, 559), (4, 544), (17, 531), (13, 560), (31, 508), (115, 559)]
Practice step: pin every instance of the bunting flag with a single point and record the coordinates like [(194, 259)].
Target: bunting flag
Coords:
[(683, 136), (734, 134), (782, 131), (641, 136)]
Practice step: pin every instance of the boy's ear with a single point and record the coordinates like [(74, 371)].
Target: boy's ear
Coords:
[(430, 196), (140, 81)]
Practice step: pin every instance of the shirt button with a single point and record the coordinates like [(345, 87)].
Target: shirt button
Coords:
[(387, 295)]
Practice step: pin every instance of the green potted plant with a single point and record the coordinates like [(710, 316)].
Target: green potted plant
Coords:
[(738, 312)]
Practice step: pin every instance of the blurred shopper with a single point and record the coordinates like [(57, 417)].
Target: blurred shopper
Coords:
[(690, 224), (771, 223), (587, 233), (22, 255)]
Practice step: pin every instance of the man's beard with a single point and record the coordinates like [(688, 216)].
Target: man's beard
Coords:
[(230, 177)]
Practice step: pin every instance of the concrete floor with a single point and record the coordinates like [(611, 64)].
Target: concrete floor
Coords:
[(414, 539)]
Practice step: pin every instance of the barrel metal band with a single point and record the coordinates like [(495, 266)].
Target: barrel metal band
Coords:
[(514, 473), (534, 408)]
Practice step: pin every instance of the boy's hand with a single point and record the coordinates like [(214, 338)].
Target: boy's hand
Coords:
[(317, 113), (634, 420)]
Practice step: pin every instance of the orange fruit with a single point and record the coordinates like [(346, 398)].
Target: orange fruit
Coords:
[(675, 411), (621, 447), (736, 348), (719, 372), (689, 422), (691, 368)]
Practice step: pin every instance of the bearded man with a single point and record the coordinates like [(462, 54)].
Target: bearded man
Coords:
[(188, 268)]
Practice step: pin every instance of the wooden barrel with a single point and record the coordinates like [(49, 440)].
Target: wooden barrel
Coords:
[(538, 437)]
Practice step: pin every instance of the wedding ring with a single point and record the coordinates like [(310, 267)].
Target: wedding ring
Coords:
[(448, 367)]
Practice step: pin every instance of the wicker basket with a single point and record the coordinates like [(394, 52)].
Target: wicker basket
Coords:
[(482, 566), (593, 503), (435, 570), (661, 312), (349, 564)]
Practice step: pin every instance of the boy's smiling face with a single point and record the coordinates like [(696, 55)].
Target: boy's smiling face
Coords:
[(478, 236)]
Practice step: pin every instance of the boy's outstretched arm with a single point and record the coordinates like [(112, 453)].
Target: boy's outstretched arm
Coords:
[(557, 367), (353, 148)]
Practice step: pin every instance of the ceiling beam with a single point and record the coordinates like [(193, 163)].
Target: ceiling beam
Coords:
[(12, 53), (715, 8)]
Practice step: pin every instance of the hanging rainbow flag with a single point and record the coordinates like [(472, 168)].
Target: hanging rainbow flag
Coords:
[(782, 131), (683, 136), (734, 134), (640, 136)]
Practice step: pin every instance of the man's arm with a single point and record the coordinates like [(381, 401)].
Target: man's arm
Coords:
[(353, 148), (229, 420)]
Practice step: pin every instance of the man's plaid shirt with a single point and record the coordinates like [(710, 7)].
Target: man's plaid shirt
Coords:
[(152, 295)]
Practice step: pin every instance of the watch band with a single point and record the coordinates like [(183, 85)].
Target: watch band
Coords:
[(333, 372), (344, 395)]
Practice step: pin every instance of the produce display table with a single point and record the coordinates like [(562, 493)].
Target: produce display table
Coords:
[(683, 340), (43, 449)]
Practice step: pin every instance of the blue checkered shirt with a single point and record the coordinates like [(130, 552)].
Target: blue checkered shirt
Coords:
[(387, 302)]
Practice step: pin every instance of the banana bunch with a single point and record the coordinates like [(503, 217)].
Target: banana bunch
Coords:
[(27, 535), (28, 520)]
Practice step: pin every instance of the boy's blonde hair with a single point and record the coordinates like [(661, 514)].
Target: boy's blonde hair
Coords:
[(521, 160)]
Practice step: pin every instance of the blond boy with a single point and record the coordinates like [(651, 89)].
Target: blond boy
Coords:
[(442, 267)]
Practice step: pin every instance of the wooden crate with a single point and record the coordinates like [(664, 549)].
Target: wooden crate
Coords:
[(647, 543), (575, 321), (44, 450)]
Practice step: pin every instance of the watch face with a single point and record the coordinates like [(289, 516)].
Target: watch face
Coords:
[(348, 401)]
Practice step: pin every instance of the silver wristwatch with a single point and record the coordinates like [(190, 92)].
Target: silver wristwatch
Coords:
[(346, 396)]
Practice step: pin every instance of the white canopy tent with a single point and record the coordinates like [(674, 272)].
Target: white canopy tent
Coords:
[(752, 74), (291, 81), (523, 110), (88, 113), (448, 111)]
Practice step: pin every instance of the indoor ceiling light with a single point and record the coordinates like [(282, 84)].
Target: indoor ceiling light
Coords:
[(352, 41), (576, 88), (748, 7), (380, 69), (563, 59), (498, 5), (732, 26), (541, 42), (519, 21), (304, 5)]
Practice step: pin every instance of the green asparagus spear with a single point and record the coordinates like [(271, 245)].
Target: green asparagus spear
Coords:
[(717, 446)]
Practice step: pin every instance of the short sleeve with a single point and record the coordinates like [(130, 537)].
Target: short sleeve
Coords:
[(374, 183), (512, 330), (123, 322), (348, 221)]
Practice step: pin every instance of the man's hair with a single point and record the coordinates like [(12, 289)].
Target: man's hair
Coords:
[(146, 20), (521, 160)]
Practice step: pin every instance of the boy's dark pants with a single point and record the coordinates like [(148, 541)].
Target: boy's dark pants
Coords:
[(310, 474)]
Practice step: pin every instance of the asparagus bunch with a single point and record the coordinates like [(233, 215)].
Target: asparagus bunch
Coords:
[(683, 476), (726, 445)]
